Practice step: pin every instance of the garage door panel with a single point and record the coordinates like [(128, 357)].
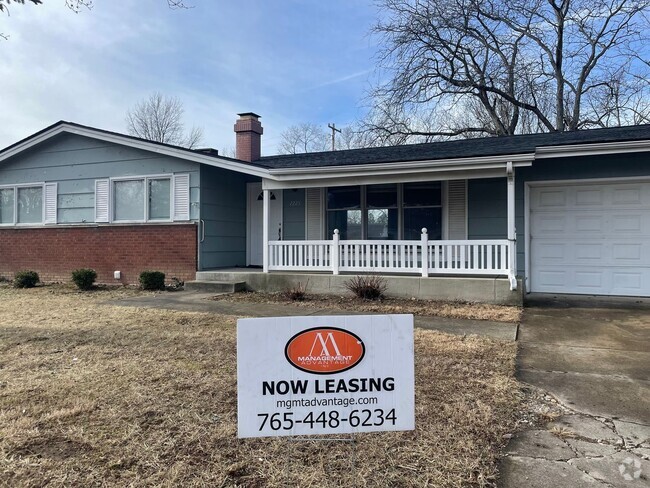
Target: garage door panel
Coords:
[(588, 251), (628, 195), (591, 238), (592, 197), (548, 198), (589, 223)]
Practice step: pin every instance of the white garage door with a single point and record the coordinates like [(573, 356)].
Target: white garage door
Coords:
[(591, 239)]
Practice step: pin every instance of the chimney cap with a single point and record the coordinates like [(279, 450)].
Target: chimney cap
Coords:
[(249, 114)]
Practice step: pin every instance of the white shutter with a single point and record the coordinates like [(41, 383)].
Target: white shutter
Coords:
[(314, 214), (181, 208), (457, 209), (50, 190), (101, 200)]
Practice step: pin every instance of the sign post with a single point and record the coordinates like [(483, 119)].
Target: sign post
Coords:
[(325, 375)]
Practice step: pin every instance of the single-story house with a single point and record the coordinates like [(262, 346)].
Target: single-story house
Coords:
[(480, 219)]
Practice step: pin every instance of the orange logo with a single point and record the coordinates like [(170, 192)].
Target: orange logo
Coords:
[(324, 350)]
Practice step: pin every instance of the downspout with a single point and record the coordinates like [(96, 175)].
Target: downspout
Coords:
[(512, 233)]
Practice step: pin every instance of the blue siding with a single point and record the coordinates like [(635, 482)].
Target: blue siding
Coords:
[(75, 162), (487, 209), (223, 209)]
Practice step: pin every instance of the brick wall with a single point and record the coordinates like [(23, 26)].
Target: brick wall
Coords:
[(54, 252)]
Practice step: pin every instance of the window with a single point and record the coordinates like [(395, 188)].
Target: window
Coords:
[(389, 211), (381, 212), (21, 205), (422, 209), (344, 211), (142, 199), (7, 205)]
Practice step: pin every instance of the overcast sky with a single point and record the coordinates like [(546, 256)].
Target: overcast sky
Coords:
[(290, 61)]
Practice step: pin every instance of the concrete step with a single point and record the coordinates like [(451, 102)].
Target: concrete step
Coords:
[(215, 286)]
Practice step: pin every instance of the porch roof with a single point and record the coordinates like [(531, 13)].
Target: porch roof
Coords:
[(524, 144)]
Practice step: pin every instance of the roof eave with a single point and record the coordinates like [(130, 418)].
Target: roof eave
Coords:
[(188, 155), (411, 166), (592, 149)]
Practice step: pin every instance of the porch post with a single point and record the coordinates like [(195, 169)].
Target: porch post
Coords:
[(265, 230), (512, 234), (425, 253), (334, 252)]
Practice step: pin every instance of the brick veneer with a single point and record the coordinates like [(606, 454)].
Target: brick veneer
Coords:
[(53, 252)]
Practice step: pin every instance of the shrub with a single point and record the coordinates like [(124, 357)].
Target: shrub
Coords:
[(369, 287), (152, 280), (26, 279), (296, 293), (84, 278)]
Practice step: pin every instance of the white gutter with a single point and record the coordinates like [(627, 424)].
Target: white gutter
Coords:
[(591, 149), (412, 166)]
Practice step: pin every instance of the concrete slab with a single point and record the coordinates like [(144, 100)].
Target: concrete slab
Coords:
[(540, 444), (596, 361), (634, 434), (584, 448), (586, 360), (586, 427), (554, 300), (613, 329), (524, 472), (642, 452), (622, 469), (598, 395), (475, 289)]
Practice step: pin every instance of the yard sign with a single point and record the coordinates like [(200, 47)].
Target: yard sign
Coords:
[(325, 375)]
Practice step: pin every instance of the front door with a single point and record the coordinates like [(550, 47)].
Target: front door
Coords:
[(255, 221)]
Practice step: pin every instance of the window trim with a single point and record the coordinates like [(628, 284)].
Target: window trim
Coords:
[(444, 208), (145, 179), (15, 188)]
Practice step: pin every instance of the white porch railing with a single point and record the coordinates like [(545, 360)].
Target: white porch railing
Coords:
[(468, 257)]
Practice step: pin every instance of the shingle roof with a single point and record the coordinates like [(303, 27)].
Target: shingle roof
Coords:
[(466, 148)]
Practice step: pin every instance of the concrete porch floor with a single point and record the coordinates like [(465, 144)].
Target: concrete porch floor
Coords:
[(495, 290)]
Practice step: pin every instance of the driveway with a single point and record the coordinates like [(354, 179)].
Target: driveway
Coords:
[(596, 362)]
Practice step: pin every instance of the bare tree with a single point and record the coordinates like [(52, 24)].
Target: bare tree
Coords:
[(494, 67), (303, 138), (308, 137), (160, 118)]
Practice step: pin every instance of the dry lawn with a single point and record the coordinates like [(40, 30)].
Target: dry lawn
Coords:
[(450, 309), (98, 395)]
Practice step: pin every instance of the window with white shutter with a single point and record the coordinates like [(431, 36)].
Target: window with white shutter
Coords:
[(102, 200), (50, 203), (181, 205)]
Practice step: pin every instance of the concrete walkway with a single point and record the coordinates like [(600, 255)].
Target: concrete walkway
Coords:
[(596, 362), (201, 302)]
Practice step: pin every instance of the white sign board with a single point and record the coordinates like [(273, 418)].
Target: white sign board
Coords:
[(325, 375)]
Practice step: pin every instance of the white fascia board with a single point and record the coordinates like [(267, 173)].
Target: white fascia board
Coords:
[(375, 179), (592, 149), (143, 145), (401, 166)]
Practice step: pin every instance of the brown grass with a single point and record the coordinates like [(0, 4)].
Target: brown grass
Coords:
[(97, 395), (450, 309)]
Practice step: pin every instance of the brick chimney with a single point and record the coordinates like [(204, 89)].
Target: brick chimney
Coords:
[(249, 137)]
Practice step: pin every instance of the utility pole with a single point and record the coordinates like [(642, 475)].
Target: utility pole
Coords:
[(334, 131)]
